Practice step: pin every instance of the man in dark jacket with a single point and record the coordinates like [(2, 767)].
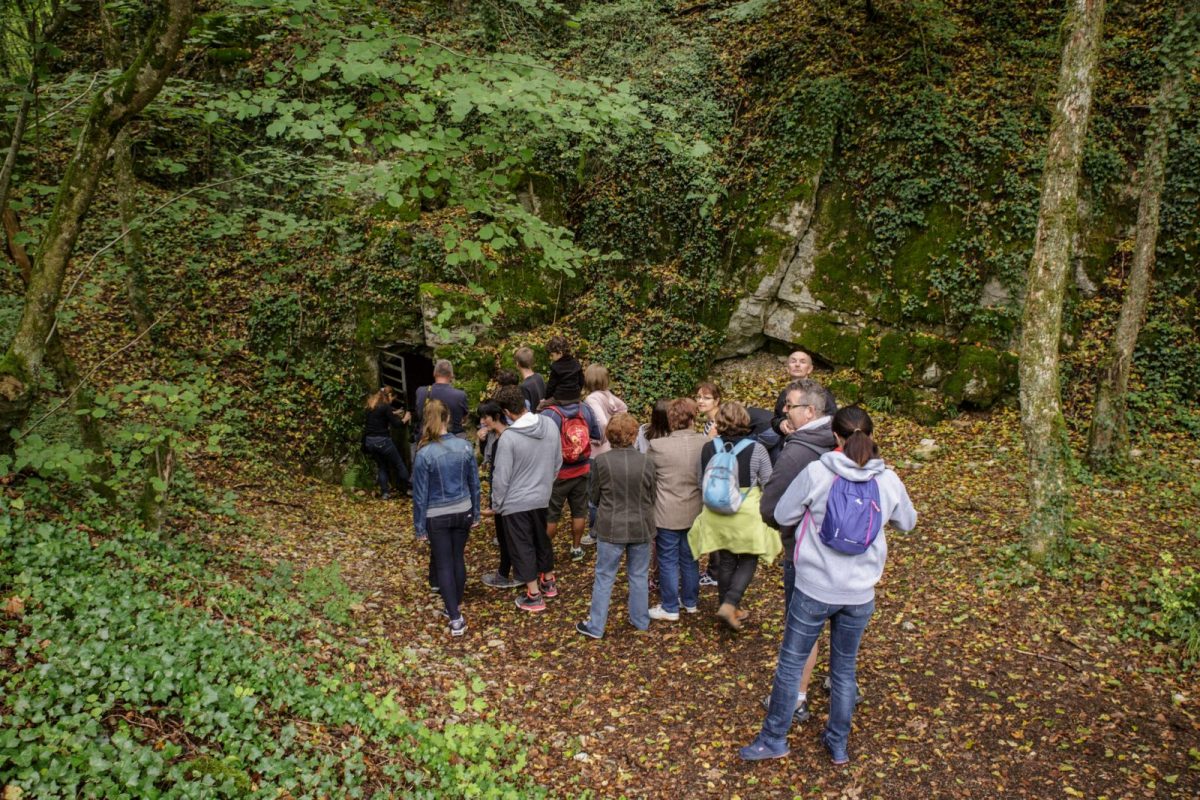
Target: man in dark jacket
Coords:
[(812, 435), (442, 389)]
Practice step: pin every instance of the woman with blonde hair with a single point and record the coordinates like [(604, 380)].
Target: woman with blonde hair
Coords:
[(445, 506), (377, 440), (741, 538)]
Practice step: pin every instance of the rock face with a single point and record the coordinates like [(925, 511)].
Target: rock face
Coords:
[(784, 287), (818, 285)]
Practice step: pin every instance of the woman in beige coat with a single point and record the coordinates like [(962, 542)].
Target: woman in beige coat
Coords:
[(677, 504)]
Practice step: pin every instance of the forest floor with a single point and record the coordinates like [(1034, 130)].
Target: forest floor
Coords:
[(982, 678)]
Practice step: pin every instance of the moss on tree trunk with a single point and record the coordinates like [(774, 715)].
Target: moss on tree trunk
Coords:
[(112, 109), (1108, 439), (1041, 401)]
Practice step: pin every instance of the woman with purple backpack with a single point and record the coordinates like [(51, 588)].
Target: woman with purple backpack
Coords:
[(841, 504)]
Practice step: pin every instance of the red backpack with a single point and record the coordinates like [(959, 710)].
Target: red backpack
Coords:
[(574, 436)]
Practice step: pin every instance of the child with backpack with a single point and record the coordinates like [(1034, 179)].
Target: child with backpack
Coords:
[(577, 429), (840, 503), (733, 468)]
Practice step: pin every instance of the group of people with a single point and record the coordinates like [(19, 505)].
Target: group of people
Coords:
[(703, 477)]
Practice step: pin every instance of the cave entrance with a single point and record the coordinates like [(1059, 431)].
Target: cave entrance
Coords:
[(404, 368)]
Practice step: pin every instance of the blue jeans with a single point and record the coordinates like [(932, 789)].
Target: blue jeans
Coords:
[(637, 566), (675, 561), (789, 582), (806, 618)]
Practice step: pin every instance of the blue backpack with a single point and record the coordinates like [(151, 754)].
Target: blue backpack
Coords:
[(719, 488), (853, 518)]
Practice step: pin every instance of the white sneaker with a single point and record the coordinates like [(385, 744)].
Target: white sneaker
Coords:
[(658, 612), (691, 609), (588, 540)]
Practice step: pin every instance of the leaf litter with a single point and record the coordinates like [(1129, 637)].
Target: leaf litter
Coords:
[(982, 678)]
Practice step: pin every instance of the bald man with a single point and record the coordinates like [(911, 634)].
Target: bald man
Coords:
[(799, 366)]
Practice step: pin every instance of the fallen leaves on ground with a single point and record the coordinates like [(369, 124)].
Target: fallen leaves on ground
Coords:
[(977, 684)]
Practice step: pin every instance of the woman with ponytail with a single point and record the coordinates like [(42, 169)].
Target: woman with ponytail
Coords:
[(840, 555)]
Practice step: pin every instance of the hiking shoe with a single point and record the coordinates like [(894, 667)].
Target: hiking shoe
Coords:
[(577, 554), (799, 716), (532, 603), (458, 627), (498, 581), (727, 613), (758, 750), (838, 757), (707, 580), (588, 540), (582, 627), (658, 612), (549, 588)]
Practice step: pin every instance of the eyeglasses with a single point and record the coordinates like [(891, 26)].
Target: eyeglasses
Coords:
[(790, 406)]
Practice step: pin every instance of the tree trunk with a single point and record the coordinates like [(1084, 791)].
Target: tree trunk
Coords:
[(1041, 324), (64, 367), (14, 141), (110, 112), (1108, 439), (135, 253), (135, 260)]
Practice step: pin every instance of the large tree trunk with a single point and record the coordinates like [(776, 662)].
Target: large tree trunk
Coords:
[(1041, 401), (63, 365), (110, 112), (1108, 440)]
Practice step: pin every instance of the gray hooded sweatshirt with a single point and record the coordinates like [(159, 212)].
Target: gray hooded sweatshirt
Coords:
[(823, 573), (527, 460)]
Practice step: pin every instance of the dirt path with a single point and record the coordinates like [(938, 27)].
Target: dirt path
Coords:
[(979, 682)]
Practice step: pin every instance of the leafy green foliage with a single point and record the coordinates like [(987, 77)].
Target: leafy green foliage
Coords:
[(123, 681), (1169, 607)]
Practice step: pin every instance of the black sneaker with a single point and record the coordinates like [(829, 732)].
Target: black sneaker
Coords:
[(582, 627)]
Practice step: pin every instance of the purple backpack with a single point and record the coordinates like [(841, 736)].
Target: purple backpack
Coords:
[(853, 518)]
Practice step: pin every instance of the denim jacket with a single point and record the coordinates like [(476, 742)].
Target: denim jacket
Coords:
[(445, 481)]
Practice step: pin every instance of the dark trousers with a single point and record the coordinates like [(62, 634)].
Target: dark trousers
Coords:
[(734, 573), (502, 542), (529, 547), (384, 453), (447, 543)]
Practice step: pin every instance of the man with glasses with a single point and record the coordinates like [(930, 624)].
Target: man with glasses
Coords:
[(810, 435)]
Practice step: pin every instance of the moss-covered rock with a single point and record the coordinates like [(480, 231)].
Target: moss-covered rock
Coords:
[(826, 336), (980, 376)]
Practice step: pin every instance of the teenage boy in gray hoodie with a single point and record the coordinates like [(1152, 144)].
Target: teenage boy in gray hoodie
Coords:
[(527, 460)]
